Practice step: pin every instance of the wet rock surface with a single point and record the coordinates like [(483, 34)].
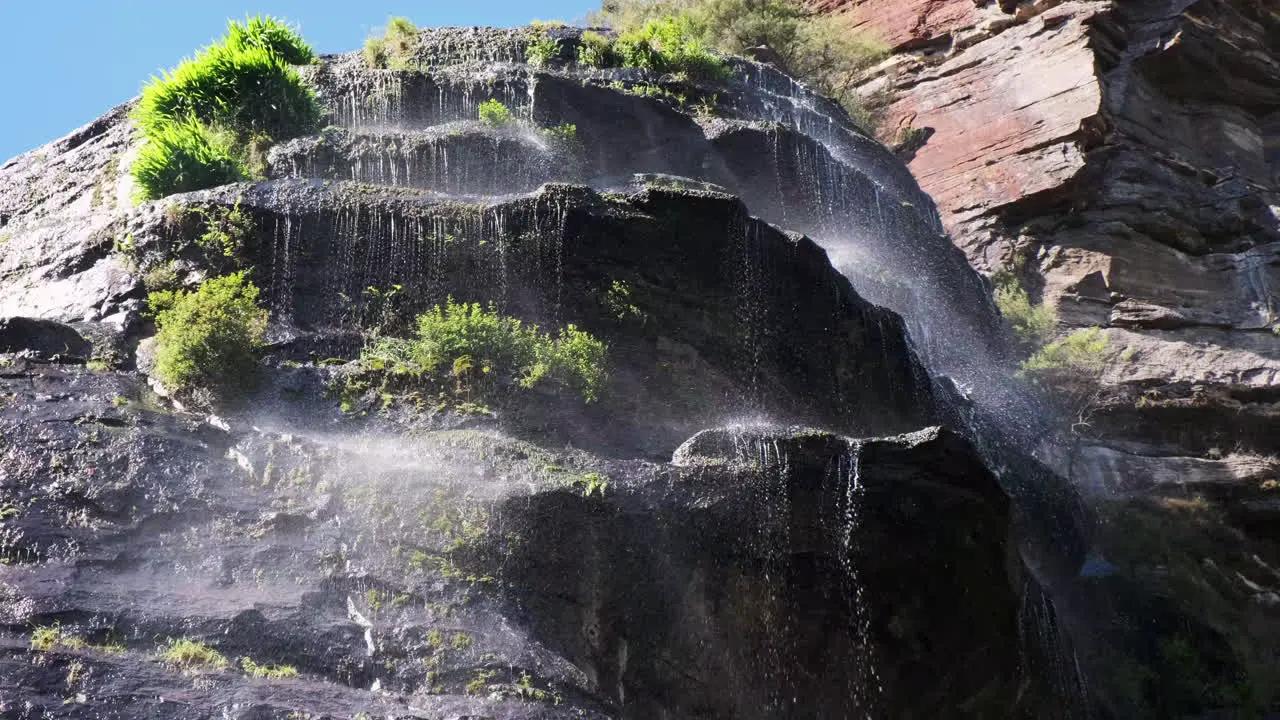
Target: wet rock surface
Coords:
[(538, 559), (1120, 158), (465, 573)]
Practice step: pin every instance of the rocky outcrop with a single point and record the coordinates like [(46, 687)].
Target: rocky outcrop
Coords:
[(1118, 155), (464, 573), (1120, 158)]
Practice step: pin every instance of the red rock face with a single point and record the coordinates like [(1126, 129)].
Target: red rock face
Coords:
[(1124, 158), (905, 23)]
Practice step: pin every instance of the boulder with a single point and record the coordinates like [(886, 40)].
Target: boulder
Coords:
[(44, 339)]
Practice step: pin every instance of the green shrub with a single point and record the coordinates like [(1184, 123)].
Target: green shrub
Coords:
[(671, 44), (184, 156), (1082, 352), (494, 114), (269, 33), (395, 48), (542, 50), (818, 49), (481, 352), (1033, 324), (209, 338), (562, 133), (596, 50), (227, 231)]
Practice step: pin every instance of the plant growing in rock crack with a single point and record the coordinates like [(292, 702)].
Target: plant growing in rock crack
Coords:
[(208, 121), (395, 48), (188, 655), (210, 338), (819, 49), (1034, 325), (494, 114), (473, 353), (541, 50), (267, 672)]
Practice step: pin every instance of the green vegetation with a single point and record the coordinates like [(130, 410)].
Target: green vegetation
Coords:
[(1033, 324), (563, 133), (481, 354), (590, 484), (227, 231), (494, 114), (671, 44), (1081, 352), (818, 49), (596, 50), (542, 50), (396, 47), (51, 637), (188, 656), (268, 33), (209, 338), (184, 156), (267, 672), (207, 120)]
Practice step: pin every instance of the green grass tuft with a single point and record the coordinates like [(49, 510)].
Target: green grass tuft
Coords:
[(395, 48), (542, 50), (188, 656), (208, 121), (184, 156), (267, 672), (271, 34), (481, 353)]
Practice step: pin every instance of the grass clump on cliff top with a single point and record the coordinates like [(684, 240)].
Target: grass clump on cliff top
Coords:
[(222, 107), (482, 354), (816, 48), (395, 48), (209, 339)]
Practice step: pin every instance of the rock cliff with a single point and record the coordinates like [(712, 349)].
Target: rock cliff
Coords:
[(1120, 158), (304, 553)]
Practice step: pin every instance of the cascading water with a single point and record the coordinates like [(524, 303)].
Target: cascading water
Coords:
[(417, 130)]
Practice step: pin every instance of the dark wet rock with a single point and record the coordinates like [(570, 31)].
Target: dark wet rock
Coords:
[(42, 338), (682, 595)]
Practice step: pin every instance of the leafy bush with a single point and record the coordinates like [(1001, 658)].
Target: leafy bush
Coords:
[(1082, 352), (184, 156), (270, 34), (818, 49), (396, 47), (267, 672), (482, 351), (670, 45), (596, 50), (209, 338), (208, 121), (227, 231), (542, 50), (494, 113), (1033, 324)]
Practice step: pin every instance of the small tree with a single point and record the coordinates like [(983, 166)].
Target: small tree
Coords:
[(210, 338)]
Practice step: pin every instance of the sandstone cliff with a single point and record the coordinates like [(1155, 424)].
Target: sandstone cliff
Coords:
[(1122, 157)]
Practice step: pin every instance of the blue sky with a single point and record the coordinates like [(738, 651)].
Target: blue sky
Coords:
[(65, 62)]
